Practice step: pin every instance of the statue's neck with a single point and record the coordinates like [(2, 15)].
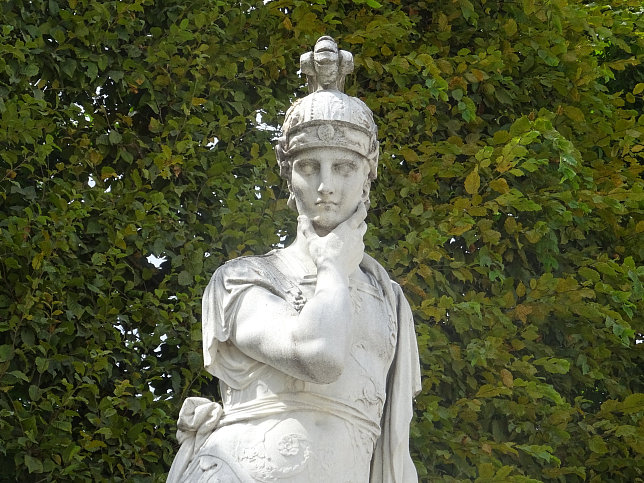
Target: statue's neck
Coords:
[(298, 253)]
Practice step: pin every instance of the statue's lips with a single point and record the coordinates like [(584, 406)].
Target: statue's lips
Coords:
[(325, 204)]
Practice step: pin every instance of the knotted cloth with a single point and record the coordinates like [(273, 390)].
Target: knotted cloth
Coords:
[(198, 418)]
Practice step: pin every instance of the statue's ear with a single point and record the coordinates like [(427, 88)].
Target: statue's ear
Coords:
[(291, 197), (282, 161), (373, 156), (366, 189), (285, 171), (291, 202)]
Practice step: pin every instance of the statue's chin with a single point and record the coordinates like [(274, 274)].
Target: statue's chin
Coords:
[(324, 225), (323, 229)]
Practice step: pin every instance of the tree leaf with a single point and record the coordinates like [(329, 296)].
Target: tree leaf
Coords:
[(500, 185), (6, 352), (185, 278), (510, 27), (33, 465), (473, 182), (597, 445)]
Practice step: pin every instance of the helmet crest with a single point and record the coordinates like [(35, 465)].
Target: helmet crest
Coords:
[(327, 116)]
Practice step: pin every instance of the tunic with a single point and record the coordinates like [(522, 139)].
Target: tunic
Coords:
[(275, 427)]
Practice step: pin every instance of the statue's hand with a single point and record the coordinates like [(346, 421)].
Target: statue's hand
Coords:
[(343, 248)]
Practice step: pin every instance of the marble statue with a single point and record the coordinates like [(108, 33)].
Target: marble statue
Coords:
[(313, 344)]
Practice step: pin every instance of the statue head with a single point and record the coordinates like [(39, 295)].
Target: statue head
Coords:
[(327, 119)]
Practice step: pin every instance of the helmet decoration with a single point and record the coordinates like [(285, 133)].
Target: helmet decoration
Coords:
[(327, 117)]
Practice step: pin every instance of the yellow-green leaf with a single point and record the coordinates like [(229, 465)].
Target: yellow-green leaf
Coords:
[(510, 27), (597, 445), (36, 262), (506, 377), (488, 390), (574, 113), (500, 185), (473, 182), (409, 155)]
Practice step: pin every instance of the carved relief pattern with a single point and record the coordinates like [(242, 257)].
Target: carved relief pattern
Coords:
[(210, 469), (367, 391), (295, 449)]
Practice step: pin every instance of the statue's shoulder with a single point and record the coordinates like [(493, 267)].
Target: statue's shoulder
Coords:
[(393, 291), (373, 266), (247, 266), (262, 271)]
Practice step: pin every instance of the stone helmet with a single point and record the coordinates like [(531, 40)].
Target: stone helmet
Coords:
[(327, 116)]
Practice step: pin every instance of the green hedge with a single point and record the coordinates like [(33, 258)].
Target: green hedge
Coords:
[(509, 206)]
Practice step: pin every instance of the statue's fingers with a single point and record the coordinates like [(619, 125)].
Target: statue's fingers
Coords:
[(305, 227), (362, 228), (358, 216)]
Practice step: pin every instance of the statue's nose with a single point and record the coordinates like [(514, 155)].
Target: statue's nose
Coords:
[(325, 188), (326, 182)]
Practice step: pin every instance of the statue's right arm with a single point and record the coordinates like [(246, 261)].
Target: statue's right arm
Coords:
[(311, 345)]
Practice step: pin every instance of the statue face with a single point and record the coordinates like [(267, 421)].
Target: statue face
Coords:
[(328, 183)]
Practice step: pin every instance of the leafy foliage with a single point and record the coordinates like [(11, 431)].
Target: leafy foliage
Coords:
[(508, 204)]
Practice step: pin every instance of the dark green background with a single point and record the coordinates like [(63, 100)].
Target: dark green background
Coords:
[(508, 205)]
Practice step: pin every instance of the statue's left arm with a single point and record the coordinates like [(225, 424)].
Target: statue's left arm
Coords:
[(391, 461)]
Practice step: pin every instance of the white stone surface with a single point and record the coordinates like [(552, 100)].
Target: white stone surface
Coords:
[(313, 344)]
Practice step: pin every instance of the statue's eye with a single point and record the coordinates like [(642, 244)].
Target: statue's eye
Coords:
[(307, 167), (345, 168)]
